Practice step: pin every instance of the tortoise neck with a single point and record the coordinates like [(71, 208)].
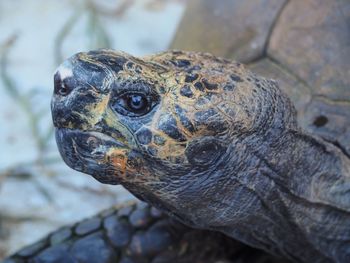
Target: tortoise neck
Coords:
[(311, 181), (305, 165)]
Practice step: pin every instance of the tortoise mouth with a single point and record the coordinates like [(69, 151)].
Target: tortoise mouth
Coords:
[(86, 151), (90, 137)]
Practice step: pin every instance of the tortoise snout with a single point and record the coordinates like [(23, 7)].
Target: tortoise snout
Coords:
[(63, 85), (77, 103), (65, 108)]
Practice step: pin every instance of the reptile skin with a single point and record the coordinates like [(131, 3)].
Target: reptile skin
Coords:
[(212, 144), (136, 233)]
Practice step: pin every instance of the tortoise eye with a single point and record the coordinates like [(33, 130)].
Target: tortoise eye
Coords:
[(133, 104), (136, 102)]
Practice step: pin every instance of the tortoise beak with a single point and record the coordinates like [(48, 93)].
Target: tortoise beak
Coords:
[(87, 152)]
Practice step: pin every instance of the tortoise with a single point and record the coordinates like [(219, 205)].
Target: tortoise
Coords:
[(210, 143), (216, 146)]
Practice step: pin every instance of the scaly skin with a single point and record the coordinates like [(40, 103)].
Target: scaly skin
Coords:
[(216, 146), (135, 234)]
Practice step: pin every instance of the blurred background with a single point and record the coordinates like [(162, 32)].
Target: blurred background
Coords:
[(38, 192), (304, 44)]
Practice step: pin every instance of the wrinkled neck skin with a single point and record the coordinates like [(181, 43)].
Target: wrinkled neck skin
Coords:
[(291, 199), (302, 202), (285, 192)]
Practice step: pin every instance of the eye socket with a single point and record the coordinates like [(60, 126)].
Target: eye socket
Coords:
[(133, 104)]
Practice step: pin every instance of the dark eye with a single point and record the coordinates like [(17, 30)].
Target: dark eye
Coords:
[(137, 102), (133, 104)]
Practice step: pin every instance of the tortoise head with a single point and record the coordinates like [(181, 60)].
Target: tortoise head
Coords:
[(169, 127)]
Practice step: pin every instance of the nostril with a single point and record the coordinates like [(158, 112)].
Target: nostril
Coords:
[(61, 87), (63, 90), (320, 121)]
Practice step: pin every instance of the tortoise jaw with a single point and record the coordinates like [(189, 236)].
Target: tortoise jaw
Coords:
[(87, 152)]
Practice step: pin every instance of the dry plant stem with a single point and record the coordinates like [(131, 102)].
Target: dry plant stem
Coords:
[(22, 100), (61, 36), (119, 11)]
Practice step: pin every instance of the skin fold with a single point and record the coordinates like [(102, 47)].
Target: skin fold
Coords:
[(208, 142)]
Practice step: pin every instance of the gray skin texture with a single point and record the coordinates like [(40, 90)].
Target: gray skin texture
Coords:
[(136, 234), (216, 146)]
